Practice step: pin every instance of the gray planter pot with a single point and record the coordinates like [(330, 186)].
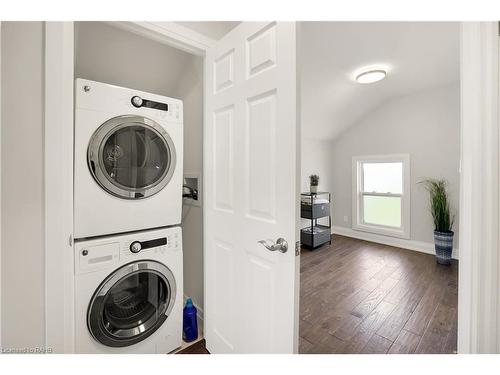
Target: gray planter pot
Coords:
[(314, 188), (443, 243)]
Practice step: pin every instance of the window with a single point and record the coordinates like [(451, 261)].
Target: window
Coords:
[(381, 194)]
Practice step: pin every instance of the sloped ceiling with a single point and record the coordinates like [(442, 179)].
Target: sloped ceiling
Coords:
[(211, 29), (421, 55)]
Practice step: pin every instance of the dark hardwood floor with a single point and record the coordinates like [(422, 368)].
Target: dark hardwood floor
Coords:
[(197, 348), (362, 297)]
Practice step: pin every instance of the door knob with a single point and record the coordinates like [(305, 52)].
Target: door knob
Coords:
[(281, 245)]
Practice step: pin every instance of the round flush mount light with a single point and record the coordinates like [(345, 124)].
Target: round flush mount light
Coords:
[(371, 76)]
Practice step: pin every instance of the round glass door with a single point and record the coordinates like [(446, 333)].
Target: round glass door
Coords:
[(131, 304), (131, 157)]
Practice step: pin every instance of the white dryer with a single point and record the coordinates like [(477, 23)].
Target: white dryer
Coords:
[(128, 160), (128, 293)]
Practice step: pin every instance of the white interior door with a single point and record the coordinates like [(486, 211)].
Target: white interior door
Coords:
[(250, 156)]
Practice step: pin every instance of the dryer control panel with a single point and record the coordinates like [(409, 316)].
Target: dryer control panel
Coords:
[(97, 96)]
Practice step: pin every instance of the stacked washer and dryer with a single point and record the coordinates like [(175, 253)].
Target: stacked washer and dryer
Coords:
[(127, 211)]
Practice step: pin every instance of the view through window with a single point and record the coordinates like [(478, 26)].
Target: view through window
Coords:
[(382, 193), (381, 204)]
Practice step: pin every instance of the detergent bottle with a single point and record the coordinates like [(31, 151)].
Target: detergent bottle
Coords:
[(190, 323)]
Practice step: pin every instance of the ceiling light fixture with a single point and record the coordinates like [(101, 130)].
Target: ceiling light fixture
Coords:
[(371, 76)]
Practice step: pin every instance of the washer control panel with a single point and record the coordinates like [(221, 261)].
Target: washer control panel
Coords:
[(109, 252), (159, 244), (137, 246)]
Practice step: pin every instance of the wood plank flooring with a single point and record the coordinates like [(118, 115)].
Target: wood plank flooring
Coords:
[(197, 348), (363, 297)]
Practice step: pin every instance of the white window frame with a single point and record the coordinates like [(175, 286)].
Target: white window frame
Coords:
[(357, 195)]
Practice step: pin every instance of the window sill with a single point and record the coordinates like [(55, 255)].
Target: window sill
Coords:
[(399, 233)]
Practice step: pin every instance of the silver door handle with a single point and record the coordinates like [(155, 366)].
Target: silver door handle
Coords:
[(281, 245)]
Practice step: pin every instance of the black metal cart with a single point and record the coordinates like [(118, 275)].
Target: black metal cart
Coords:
[(316, 234)]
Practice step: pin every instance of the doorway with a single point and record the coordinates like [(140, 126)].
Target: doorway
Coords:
[(57, 303), (377, 287)]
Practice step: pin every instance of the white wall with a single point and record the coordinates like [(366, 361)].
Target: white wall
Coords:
[(316, 159), (22, 185), (190, 89), (111, 55), (427, 126), (107, 54), (0, 183)]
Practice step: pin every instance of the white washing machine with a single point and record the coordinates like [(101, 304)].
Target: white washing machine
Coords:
[(128, 160), (129, 293)]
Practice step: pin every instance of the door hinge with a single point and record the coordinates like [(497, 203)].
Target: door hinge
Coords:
[(297, 248)]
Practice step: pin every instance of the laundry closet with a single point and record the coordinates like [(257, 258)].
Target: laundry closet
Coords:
[(108, 54), (107, 102)]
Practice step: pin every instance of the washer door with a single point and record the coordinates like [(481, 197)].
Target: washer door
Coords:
[(131, 304), (131, 157)]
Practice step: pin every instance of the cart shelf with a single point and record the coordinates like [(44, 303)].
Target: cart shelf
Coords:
[(315, 206)]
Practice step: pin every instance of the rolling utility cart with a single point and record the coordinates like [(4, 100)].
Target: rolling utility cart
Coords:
[(314, 206)]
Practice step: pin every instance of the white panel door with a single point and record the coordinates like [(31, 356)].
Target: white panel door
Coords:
[(250, 174)]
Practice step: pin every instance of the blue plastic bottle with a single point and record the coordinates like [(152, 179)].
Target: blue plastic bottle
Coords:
[(190, 323)]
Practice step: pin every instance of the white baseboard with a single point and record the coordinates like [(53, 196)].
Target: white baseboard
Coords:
[(420, 246)]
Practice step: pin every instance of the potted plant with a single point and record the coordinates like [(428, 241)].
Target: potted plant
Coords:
[(443, 219), (314, 181)]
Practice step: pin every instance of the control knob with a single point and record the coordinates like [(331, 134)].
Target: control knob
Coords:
[(137, 101), (135, 247)]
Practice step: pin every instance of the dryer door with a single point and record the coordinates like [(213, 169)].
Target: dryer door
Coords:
[(131, 157), (131, 304)]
